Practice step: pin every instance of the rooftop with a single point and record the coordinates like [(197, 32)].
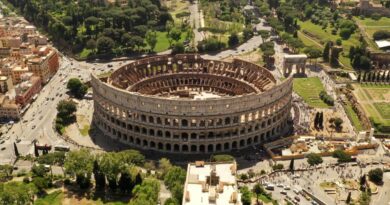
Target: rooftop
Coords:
[(211, 183)]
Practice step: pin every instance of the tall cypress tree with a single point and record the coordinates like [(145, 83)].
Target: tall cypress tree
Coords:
[(16, 150), (325, 53)]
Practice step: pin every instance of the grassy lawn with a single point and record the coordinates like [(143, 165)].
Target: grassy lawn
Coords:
[(353, 117), (309, 89), (376, 104), (383, 109), (85, 53), (163, 43), (54, 198), (85, 130), (324, 35)]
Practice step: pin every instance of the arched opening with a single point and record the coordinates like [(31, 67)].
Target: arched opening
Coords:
[(184, 136), (160, 146), (226, 146), (145, 143), (202, 148), (168, 147), (136, 129), (159, 133), (210, 148), (234, 145), (151, 132), (152, 144), (143, 118), (193, 148), (184, 123), (218, 147), (242, 143), (176, 148), (227, 121), (184, 148), (158, 120), (131, 139), (168, 134), (210, 135), (151, 119), (249, 141), (138, 141), (193, 136), (256, 139), (144, 131)]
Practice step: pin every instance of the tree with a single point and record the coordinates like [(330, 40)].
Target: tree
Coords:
[(77, 88), (79, 163), (17, 193), (38, 170), (326, 51), (313, 53), (247, 33), (164, 165), (381, 34), (91, 44), (348, 198), (100, 178), (258, 190), (65, 112), (314, 159), (40, 183), (174, 35), (151, 39), (376, 175), (105, 45), (125, 183), (292, 165), (233, 40), (264, 35), (171, 201), (245, 196), (342, 156), (178, 48), (16, 150), (111, 165), (146, 193)]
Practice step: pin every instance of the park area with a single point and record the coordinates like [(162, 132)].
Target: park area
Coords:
[(309, 89), (313, 35), (375, 100), (370, 26)]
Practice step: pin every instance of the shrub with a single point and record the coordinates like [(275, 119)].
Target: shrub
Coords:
[(26, 180), (381, 34), (376, 175), (345, 33), (376, 16), (326, 98), (222, 158), (277, 167)]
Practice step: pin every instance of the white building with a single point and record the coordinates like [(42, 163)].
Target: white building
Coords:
[(211, 183)]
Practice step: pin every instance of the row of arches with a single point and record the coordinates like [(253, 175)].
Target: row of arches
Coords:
[(200, 135), (257, 115)]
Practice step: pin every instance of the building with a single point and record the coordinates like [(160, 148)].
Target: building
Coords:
[(187, 104), (8, 109), (44, 63), (211, 183), (5, 84), (27, 89)]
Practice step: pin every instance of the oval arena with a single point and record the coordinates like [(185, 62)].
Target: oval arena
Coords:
[(187, 104)]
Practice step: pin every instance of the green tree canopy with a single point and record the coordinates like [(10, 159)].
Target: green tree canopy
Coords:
[(314, 159)]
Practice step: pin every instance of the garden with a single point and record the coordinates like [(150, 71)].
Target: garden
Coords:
[(310, 96)]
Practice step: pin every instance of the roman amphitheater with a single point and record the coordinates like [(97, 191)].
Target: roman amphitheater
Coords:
[(187, 104)]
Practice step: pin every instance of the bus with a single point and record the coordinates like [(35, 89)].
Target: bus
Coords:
[(63, 148)]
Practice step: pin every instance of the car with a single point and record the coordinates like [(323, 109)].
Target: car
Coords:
[(109, 65), (296, 191), (18, 140), (280, 185), (314, 203), (283, 192), (287, 188), (3, 148), (33, 127), (297, 198), (2, 142)]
